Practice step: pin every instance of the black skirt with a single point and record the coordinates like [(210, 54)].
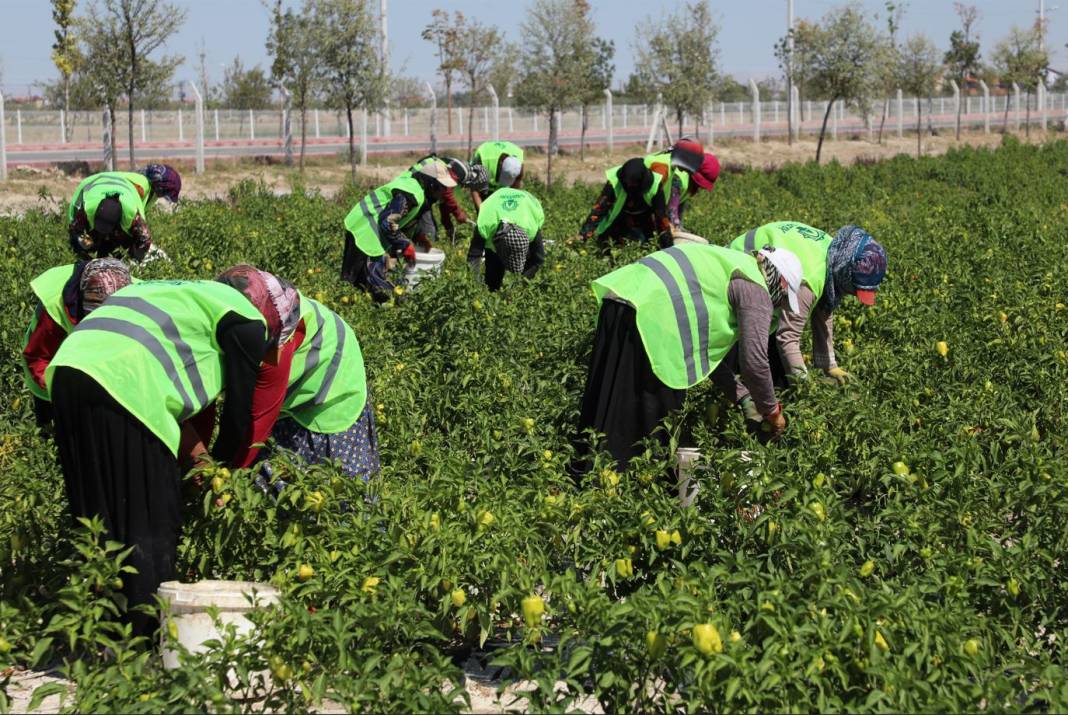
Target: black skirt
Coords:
[(624, 400), (116, 468)]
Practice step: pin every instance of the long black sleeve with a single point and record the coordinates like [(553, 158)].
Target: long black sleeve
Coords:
[(243, 345)]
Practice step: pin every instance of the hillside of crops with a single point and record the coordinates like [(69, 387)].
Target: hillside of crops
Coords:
[(809, 574)]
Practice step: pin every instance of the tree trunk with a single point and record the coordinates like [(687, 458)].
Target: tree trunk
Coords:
[(823, 128), (919, 127), (352, 143), (448, 100), (582, 136), (303, 131), (680, 115), (882, 122), (552, 143)]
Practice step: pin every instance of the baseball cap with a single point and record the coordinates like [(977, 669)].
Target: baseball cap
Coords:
[(439, 172), (509, 171)]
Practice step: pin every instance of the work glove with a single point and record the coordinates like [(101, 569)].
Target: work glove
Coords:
[(155, 253), (797, 375), (774, 424), (749, 409), (836, 376), (409, 254)]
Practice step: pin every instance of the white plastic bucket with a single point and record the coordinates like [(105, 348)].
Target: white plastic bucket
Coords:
[(425, 263), (684, 237), (688, 486), (188, 604)]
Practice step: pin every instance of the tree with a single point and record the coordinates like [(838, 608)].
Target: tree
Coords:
[(920, 71), (962, 58), (476, 48), (294, 61), (1020, 59), (843, 53), (245, 88), (66, 54), (554, 32), (103, 53), (595, 80), (445, 34), (349, 67), (888, 61), (140, 27), (679, 65), (806, 35)]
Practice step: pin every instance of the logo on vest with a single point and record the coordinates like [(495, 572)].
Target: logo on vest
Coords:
[(510, 204)]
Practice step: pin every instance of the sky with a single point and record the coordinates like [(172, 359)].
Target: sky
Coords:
[(748, 31)]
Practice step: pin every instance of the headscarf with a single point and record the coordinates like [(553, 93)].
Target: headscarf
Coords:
[(275, 298), (165, 181), (512, 244), (93, 281), (636, 178), (855, 261)]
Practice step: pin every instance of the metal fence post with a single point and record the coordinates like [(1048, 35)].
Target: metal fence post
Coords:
[(62, 127), (405, 122), (251, 125), (109, 158), (18, 126), (3, 142), (433, 118), (956, 98), (496, 112), (795, 107), (199, 108), (1016, 100), (900, 114), (511, 124), (755, 91), (287, 124), (215, 118), (625, 116), (181, 129), (1041, 106), (609, 118), (834, 122), (654, 127), (363, 137), (986, 106)]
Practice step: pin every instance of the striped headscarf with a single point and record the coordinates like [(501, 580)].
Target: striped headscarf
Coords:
[(855, 261), (774, 280), (275, 298)]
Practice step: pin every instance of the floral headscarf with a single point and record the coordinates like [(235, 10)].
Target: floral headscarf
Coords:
[(99, 279), (275, 298), (855, 261)]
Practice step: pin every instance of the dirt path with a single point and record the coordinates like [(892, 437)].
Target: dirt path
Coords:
[(49, 188)]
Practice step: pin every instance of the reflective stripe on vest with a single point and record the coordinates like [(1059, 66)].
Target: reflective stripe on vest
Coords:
[(154, 346), (681, 305), (326, 398), (362, 220)]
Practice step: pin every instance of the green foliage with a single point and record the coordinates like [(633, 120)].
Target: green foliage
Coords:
[(834, 580)]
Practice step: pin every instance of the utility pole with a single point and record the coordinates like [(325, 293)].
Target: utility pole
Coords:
[(790, 71), (383, 10)]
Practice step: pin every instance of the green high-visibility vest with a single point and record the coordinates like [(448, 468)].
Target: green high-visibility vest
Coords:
[(48, 287), (327, 382), (362, 220), (414, 168), (513, 206), (679, 294), (489, 155), (674, 172), (132, 191), (621, 197), (152, 346), (809, 244)]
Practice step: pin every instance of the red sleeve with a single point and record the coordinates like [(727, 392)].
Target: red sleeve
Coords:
[(450, 208), (44, 342), (267, 400)]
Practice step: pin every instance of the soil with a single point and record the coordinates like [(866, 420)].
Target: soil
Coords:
[(50, 188)]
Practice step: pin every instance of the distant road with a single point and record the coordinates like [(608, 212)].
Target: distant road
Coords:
[(52, 153)]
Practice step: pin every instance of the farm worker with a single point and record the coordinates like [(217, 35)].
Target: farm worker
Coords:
[(65, 295), (124, 385), (451, 211), (107, 212), (502, 165), (631, 205), (377, 228), (326, 412), (686, 168), (850, 263), (509, 234), (666, 322)]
